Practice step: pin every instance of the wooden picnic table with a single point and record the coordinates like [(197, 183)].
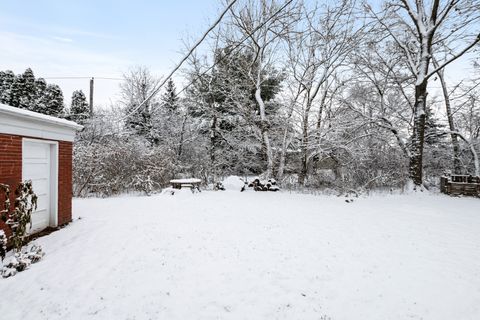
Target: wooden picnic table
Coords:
[(192, 183)]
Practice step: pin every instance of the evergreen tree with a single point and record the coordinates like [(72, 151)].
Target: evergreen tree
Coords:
[(140, 120), (434, 130), (16, 91), (6, 81), (79, 109), (54, 100), (27, 90), (169, 98), (22, 90), (40, 103), (138, 86), (228, 111)]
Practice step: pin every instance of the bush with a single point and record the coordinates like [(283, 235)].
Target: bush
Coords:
[(18, 220), (3, 244), (119, 166)]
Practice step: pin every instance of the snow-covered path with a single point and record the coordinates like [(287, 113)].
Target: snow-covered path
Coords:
[(231, 255)]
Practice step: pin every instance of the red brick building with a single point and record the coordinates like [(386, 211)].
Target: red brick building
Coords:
[(37, 147)]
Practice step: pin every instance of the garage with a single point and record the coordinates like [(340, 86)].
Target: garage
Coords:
[(39, 148), (38, 166)]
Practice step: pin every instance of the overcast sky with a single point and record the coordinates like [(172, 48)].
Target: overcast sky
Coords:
[(103, 38), (98, 38)]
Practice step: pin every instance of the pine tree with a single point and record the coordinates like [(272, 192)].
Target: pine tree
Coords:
[(27, 91), (24, 91), (16, 91), (40, 101), (434, 130), (140, 120), (79, 109), (6, 81), (53, 100), (169, 98), (138, 86)]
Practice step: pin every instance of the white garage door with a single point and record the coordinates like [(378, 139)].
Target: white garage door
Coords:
[(37, 167)]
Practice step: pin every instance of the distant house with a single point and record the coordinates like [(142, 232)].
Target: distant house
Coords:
[(37, 147)]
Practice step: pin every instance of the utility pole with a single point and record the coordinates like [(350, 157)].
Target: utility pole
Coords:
[(91, 96)]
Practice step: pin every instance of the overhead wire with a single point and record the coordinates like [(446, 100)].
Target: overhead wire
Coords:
[(154, 92), (287, 3)]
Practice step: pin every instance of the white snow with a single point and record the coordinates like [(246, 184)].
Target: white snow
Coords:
[(233, 183), (257, 255), (190, 180)]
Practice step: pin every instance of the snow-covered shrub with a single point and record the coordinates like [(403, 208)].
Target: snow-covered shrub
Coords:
[(119, 166), (18, 261), (4, 209), (3, 244), (34, 252), (22, 260), (107, 162), (20, 218), (144, 183)]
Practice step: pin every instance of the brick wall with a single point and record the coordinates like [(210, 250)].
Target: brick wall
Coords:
[(64, 182), (10, 167), (11, 173)]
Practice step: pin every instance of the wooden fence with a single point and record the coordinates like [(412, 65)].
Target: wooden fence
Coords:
[(460, 185)]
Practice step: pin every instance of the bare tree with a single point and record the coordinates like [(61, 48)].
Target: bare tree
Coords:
[(317, 49), (419, 30)]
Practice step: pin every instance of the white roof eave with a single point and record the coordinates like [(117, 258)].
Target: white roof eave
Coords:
[(32, 124), (27, 114)]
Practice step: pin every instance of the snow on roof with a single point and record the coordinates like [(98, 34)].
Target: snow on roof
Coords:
[(30, 115)]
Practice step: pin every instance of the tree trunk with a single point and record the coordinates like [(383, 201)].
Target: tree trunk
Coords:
[(457, 169), (418, 137), (283, 156), (285, 143), (476, 159), (320, 112), (304, 151), (182, 133), (213, 147), (264, 126)]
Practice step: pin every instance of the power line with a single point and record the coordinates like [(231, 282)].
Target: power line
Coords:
[(108, 78), (74, 78), (183, 60)]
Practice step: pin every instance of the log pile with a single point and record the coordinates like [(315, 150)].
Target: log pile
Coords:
[(257, 185)]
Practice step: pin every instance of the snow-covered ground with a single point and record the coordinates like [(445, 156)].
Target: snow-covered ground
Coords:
[(232, 255)]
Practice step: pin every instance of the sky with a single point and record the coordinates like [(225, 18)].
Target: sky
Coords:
[(102, 38)]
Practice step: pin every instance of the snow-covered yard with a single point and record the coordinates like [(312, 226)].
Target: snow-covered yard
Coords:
[(232, 255)]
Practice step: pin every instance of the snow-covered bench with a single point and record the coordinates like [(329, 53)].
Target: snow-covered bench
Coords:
[(192, 183)]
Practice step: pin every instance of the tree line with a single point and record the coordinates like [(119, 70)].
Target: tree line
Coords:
[(35, 94), (342, 95)]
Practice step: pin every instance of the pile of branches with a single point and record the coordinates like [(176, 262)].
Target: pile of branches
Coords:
[(257, 185)]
